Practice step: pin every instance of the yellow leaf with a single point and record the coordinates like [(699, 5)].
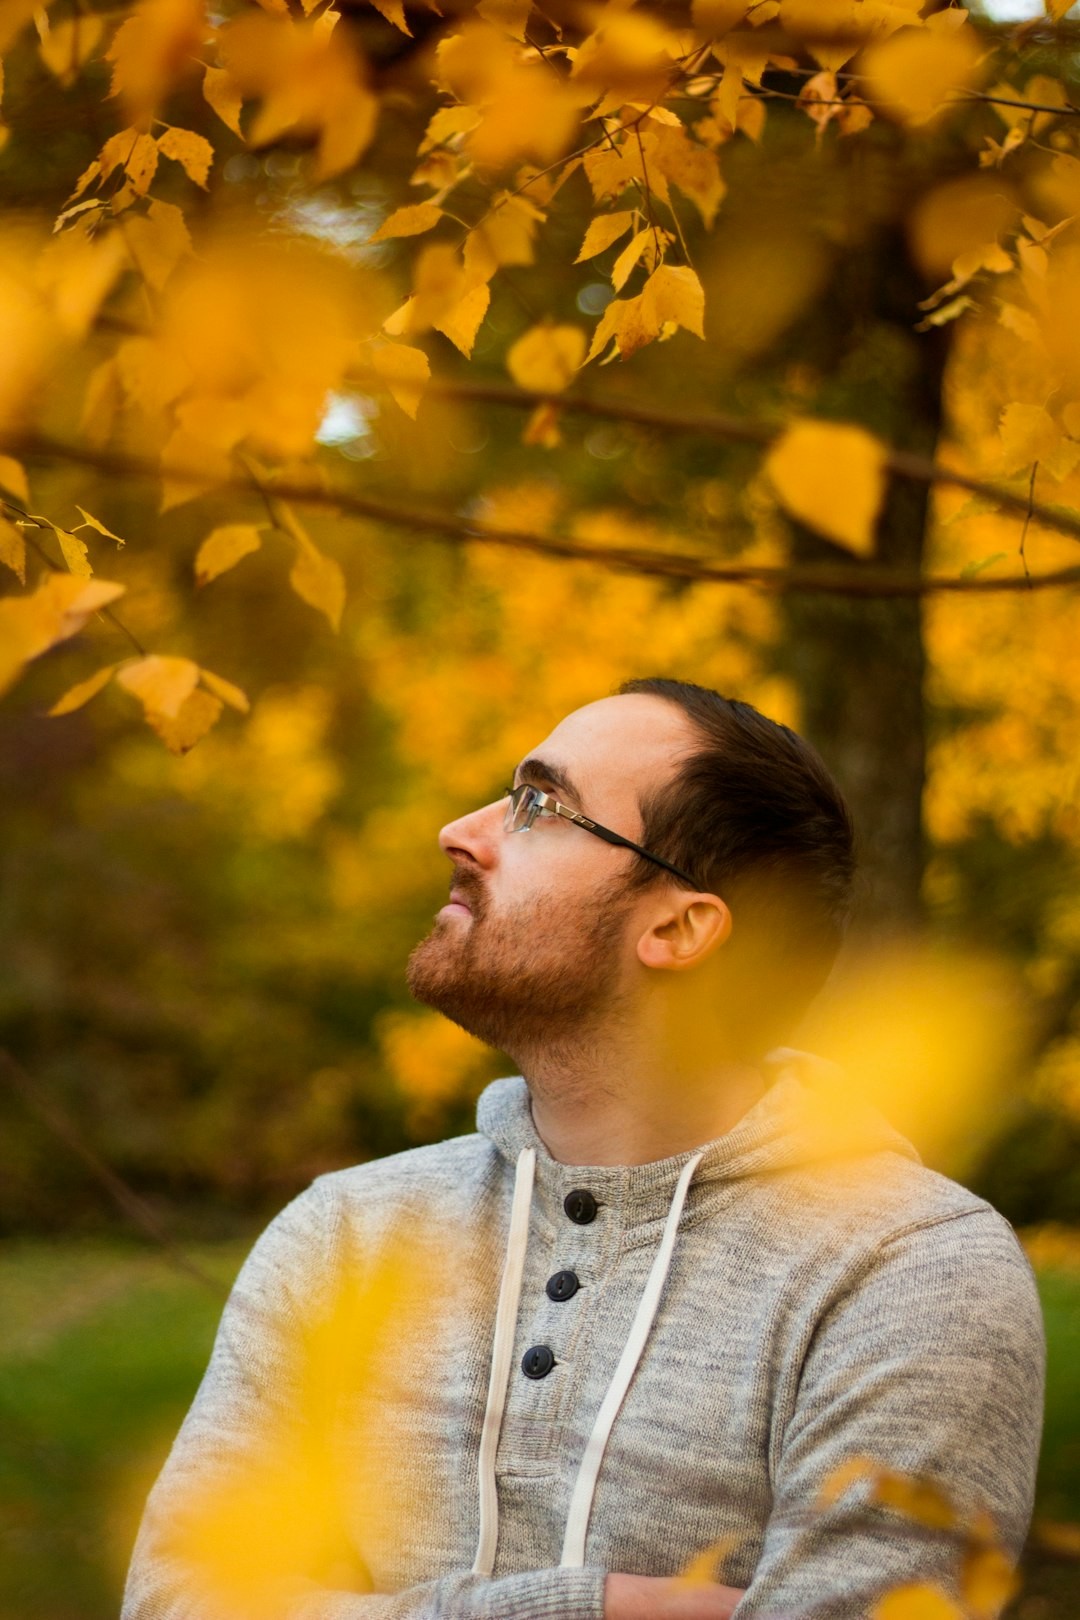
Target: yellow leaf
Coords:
[(83, 691), (675, 294), (462, 322), (13, 549), (394, 12), (319, 581), (546, 357), (1056, 9), (134, 152), (918, 1601), (223, 548), (987, 1581), (602, 231), (916, 1498), (158, 241), (223, 96), (630, 322), (610, 170), (628, 258), (526, 111), (193, 152), (225, 690), (194, 718), (1028, 434), (918, 72), (153, 49), (715, 17), (75, 553), (1057, 1537), (439, 282), (55, 611), (104, 397), (310, 80), (958, 217), (701, 1570), (691, 167), (830, 476), (512, 16), (151, 376), (70, 43), (504, 236), (410, 221), (838, 1480), (628, 55), (834, 30), (13, 478), (76, 270), (161, 684), (946, 313), (446, 124), (91, 172), (543, 427), (405, 371), (13, 16), (95, 523)]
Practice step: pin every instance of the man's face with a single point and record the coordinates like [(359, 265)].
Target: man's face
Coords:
[(537, 942)]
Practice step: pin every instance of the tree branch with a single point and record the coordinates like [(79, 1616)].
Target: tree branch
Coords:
[(854, 580), (739, 430)]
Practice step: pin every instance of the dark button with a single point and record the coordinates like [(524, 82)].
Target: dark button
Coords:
[(580, 1206), (537, 1362), (564, 1285)]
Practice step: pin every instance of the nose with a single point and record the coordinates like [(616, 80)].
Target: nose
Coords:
[(474, 837)]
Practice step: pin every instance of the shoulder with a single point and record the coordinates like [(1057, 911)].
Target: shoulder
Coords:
[(343, 1211), (885, 1196), (438, 1173), (884, 1237), (948, 1269)]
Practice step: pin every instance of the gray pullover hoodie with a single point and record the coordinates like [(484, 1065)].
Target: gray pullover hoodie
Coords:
[(518, 1375)]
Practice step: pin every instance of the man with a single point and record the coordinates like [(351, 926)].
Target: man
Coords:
[(671, 1306)]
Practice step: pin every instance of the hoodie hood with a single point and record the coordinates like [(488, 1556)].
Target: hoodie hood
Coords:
[(809, 1114)]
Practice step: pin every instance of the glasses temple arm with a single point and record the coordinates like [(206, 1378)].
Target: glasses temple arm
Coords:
[(627, 843)]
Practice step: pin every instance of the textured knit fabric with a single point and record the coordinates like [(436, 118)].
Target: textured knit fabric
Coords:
[(827, 1298)]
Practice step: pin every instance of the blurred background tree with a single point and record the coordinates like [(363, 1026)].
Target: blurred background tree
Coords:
[(205, 950)]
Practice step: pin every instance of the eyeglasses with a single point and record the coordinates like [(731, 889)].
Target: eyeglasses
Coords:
[(527, 802)]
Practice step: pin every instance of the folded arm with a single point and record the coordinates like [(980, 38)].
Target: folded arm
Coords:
[(950, 1388)]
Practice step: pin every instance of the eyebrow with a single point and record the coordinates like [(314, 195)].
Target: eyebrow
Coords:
[(541, 773)]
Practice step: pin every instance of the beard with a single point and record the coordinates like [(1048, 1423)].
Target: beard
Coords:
[(538, 980)]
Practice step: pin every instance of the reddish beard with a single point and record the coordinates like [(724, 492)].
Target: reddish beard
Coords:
[(528, 980)]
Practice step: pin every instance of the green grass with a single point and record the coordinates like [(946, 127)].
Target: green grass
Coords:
[(102, 1346)]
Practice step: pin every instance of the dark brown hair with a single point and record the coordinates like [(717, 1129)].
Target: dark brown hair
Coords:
[(754, 816)]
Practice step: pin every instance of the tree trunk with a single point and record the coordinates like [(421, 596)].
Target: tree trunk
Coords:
[(859, 664)]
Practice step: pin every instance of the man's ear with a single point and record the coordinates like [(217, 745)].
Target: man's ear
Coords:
[(685, 933)]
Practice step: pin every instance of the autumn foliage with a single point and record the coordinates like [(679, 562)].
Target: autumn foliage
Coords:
[(220, 334)]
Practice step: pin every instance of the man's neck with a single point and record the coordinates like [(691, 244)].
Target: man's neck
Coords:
[(623, 1114)]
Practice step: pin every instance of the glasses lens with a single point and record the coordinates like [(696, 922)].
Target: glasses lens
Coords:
[(521, 811)]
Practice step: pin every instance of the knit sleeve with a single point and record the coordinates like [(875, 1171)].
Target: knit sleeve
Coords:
[(243, 1522), (932, 1363)]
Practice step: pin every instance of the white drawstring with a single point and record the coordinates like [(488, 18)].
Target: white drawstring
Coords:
[(502, 1349), (577, 1520)]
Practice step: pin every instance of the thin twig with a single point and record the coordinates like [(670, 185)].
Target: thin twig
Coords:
[(137, 1210), (39, 523), (1027, 521)]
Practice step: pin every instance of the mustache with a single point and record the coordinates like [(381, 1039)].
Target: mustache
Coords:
[(471, 887)]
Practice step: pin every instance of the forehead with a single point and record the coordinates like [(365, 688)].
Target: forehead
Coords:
[(618, 748)]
